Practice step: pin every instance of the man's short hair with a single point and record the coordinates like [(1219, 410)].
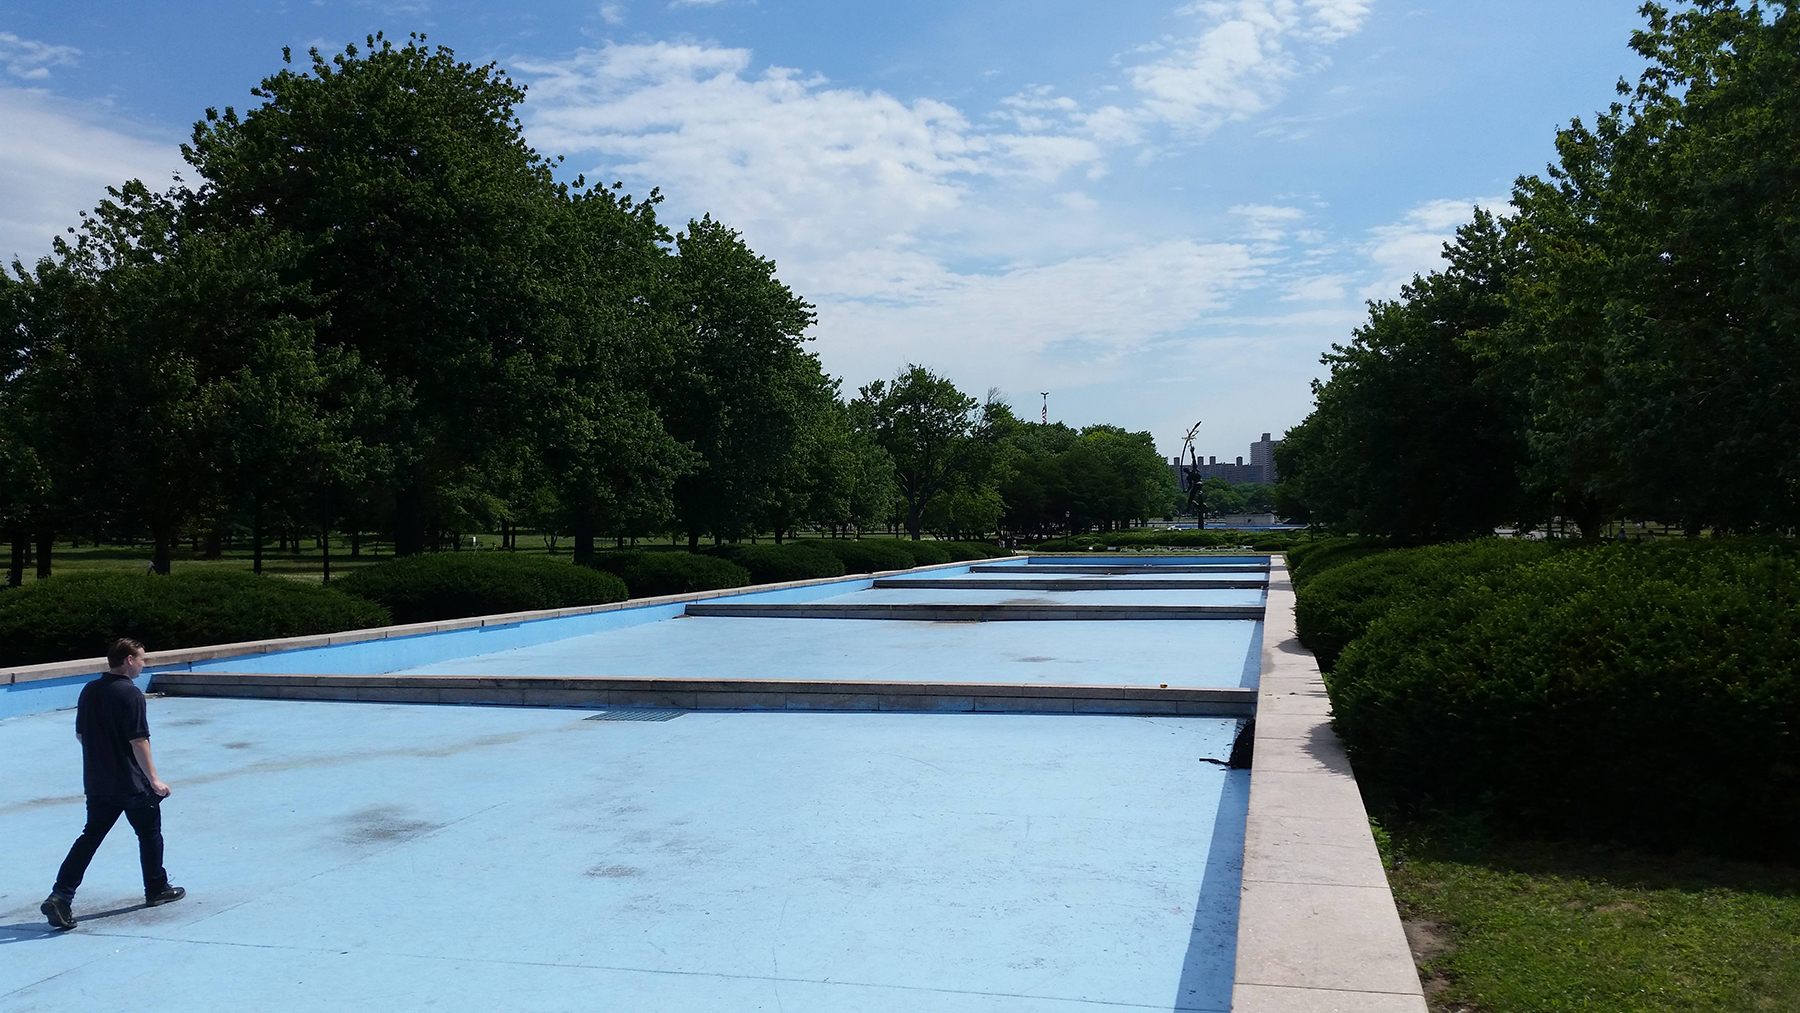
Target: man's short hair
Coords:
[(122, 648)]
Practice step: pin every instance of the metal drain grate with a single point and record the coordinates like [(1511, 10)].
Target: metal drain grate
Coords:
[(637, 714)]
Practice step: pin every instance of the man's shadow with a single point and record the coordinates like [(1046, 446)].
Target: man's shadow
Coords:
[(30, 931)]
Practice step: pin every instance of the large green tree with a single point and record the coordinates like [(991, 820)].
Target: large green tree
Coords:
[(1413, 436), (744, 388), (928, 428), (425, 220)]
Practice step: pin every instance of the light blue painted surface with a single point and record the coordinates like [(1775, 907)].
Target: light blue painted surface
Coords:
[(373, 657), (48, 695), (465, 858), (1002, 596), (1114, 653), (1147, 574)]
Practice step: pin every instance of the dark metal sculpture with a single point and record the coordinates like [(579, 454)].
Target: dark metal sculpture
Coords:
[(1196, 492)]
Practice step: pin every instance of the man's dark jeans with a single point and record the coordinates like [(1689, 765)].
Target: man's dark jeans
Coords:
[(145, 814)]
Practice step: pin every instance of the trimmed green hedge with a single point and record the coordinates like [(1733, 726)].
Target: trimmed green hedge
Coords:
[(79, 615), (452, 585), (923, 553), (961, 552), (1642, 694), (772, 564), (1307, 560), (866, 555), (1256, 541), (1336, 605), (653, 574)]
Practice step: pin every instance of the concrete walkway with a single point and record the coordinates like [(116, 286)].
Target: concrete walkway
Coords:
[(1318, 931)]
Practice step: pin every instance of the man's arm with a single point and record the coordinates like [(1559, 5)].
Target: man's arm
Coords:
[(141, 747)]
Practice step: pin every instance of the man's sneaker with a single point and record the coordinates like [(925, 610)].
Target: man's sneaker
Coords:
[(57, 910), (169, 895)]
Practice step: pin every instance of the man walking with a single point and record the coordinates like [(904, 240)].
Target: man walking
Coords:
[(119, 777)]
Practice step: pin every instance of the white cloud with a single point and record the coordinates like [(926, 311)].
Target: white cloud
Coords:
[(58, 160), (1238, 63), (32, 60), (1267, 223), (1071, 322), (1414, 245), (612, 13), (1324, 288)]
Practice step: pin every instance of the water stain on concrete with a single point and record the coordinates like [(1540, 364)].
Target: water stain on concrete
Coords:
[(614, 872), (237, 745), (383, 824)]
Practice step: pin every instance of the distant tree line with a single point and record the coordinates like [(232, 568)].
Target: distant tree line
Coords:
[(374, 309), (1624, 345)]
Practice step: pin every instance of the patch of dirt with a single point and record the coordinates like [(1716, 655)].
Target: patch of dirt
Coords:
[(1426, 938)]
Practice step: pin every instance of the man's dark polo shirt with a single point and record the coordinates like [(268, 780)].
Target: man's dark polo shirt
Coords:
[(108, 717)]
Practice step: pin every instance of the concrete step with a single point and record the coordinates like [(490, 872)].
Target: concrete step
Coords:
[(719, 694), (966, 612)]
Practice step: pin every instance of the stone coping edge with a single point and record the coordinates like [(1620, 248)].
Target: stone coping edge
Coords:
[(188, 655), (1070, 584), (1317, 925), (968, 612), (721, 694)]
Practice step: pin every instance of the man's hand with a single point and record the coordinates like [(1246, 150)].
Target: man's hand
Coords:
[(141, 747)]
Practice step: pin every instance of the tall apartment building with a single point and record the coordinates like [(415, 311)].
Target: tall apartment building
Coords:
[(1260, 470)]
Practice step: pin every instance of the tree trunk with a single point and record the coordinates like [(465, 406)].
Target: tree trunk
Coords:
[(913, 514), (256, 538), (215, 540), (355, 544), (584, 537), (164, 541), (21, 552), (409, 522), (46, 544), (693, 540), (325, 557)]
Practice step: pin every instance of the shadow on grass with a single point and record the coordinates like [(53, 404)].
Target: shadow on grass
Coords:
[(1471, 838)]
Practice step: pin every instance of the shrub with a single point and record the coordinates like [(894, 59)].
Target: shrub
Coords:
[(771, 564), (656, 573), (79, 615), (1336, 605), (1309, 559), (1615, 692), (867, 555), (964, 551), (923, 553), (452, 585)]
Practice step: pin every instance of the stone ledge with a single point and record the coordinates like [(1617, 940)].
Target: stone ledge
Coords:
[(189, 655), (717, 694), (1317, 926)]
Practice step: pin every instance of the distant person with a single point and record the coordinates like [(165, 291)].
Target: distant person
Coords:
[(119, 777)]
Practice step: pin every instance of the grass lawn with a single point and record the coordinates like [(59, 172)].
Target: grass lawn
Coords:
[(1537, 927)]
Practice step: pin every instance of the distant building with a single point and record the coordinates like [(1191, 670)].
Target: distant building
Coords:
[(1260, 470)]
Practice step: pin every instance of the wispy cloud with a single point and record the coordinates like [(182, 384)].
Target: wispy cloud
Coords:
[(1414, 245), (612, 13), (58, 160), (32, 60)]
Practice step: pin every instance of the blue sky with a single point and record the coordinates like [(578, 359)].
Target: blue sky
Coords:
[(1158, 212)]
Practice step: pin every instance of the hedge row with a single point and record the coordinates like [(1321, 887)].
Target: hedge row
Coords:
[(652, 574), (1644, 694), (1257, 541), (451, 585), (771, 564), (79, 615), (1337, 603), (1309, 559)]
